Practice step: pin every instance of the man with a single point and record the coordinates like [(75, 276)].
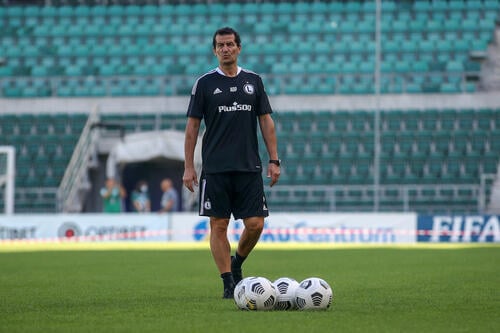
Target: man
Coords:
[(140, 198), (169, 198), (230, 100), (112, 195)]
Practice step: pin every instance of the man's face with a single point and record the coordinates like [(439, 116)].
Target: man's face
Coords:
[(165, 185), (110, 183), (226, 49)]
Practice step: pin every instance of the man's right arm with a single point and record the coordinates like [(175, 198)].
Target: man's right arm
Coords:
[(191, 137)]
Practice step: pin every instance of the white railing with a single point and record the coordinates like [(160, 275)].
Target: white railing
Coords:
[(75, 178), (7, 177), (395, 198), (492, 181)]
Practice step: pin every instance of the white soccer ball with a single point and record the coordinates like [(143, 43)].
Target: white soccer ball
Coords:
[(239, 293), (255, 293), (285, 293), (313, 294)]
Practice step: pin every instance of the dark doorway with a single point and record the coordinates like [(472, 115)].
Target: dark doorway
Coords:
[(153, 172)]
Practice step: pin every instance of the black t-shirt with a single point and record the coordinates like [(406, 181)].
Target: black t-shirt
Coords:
[(230, 107)]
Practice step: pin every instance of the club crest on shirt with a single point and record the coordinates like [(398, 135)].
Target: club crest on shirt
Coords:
[(249, 89)]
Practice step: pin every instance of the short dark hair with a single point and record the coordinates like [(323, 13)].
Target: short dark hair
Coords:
[(227, 31)]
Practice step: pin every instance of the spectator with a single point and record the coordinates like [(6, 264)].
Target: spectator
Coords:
[(170, 198), (140, 198), (112, 195)]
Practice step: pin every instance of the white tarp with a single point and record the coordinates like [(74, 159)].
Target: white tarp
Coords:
[(145, 146)]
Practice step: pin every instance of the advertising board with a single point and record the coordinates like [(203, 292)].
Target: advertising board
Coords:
[(458, 228), (360, 228)]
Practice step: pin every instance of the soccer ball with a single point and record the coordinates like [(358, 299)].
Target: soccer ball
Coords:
[(255, 293), (285, 293), (239, 293), (313, 294)]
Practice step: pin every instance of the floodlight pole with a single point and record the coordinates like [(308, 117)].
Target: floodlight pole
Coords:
[(376, 125)]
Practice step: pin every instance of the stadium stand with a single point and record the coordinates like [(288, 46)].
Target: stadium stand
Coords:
[(44, 143), (148, 50), (432, 159), (448, 149)]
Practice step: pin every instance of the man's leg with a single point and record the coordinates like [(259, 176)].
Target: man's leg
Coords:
[(221, 252), (249, 238)]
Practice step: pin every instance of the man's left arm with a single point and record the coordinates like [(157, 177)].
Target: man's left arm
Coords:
[(267, 128)]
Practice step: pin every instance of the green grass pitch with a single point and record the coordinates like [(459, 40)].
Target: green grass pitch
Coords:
[(376, 289)]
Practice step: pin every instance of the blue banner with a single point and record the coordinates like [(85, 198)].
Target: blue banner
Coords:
[(458, 228)]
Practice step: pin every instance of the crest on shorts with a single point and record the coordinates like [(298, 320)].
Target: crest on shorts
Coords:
[(249, 89), (207, 205)]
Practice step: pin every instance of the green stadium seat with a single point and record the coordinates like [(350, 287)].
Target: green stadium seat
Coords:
[(450, 87)]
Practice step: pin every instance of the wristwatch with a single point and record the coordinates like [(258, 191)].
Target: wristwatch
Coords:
[(277, 162)]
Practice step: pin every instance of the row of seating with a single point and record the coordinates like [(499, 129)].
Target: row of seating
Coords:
[(149, 87), (299, 84), (32, 46), (343, 48), (320, 24), (425, 200), (30, 200), (392, 20), (424, 65), (249, 8)]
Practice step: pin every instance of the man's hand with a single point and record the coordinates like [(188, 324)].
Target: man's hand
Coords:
[(190, 178), (273, 172)]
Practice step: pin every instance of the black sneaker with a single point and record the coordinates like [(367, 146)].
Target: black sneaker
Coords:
[(228, 292), (237, 273)]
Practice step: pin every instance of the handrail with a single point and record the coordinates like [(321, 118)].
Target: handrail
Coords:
[(362, 196), (75, 175)]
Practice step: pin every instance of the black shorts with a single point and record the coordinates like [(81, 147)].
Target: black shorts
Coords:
[(237, 193)]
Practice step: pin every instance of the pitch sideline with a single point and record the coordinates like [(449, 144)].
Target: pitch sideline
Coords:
[(19, 246)]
